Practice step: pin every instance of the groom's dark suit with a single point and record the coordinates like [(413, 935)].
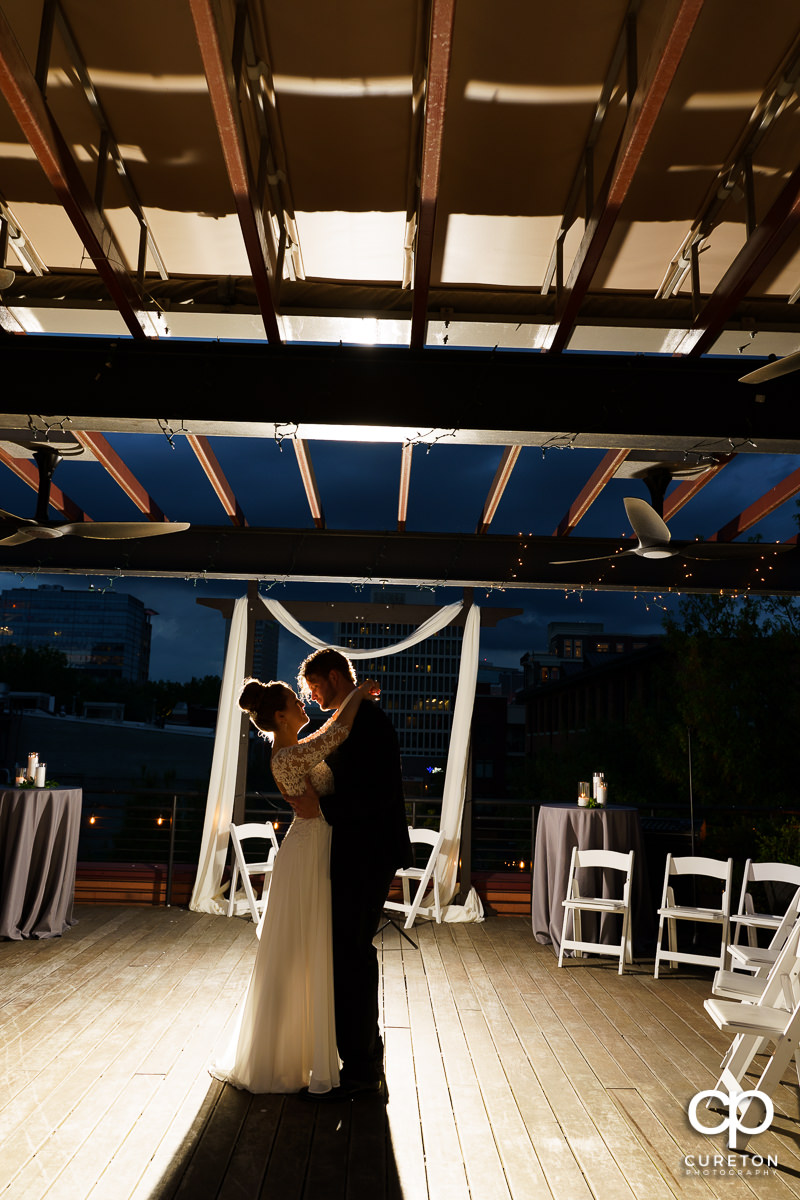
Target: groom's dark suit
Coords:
[(369, 842)]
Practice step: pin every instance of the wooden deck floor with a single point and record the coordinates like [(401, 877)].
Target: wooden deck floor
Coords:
[(508, 1078)]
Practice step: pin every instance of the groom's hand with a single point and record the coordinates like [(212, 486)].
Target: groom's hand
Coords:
[(305, 805)]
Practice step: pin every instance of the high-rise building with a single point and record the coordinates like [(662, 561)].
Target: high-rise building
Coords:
[(418, 686), (105, 633), (265, 650)]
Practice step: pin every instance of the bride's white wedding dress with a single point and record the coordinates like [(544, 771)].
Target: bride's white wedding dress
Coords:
[(285, 1038)]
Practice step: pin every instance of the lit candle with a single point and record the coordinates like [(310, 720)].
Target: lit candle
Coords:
[(19, 777), (41, 773), (33, 760), (602, 793)]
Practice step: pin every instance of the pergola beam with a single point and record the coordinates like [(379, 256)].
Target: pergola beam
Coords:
[(405, 484), (121, 474), (506, 465), (606, 469), (216, 477), (27, 472), (224, 100), (439, 53), (778, 224), (402, 559), (687, 490), (24, 97), (766, 504), (309, 479), (668, 48)]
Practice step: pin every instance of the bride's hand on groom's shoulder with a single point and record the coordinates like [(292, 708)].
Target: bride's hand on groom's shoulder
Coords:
[(371, 688)]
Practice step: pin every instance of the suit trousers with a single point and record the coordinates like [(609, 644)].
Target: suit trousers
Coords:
[(357, 899)]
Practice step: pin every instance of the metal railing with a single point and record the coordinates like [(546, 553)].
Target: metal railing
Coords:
[(157, 827)]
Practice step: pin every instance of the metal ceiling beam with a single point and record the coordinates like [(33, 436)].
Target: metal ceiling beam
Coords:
[(27, 472), (782, 219), (28, 106), (222, 89), (430, 559), (405, 485), (216, 477), (309, 479), (591, 490), (121, 474), (685, 491), (656, 79), (766, 504), (506, 465), (343, 610), (694, 405), (440, 49)]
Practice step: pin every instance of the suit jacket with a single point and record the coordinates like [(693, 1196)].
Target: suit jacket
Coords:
[(367, 808)]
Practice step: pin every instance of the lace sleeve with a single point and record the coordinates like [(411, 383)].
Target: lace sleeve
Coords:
[(312, 750)]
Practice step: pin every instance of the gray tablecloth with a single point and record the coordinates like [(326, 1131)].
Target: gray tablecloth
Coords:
[(38, 854), (558, 829)]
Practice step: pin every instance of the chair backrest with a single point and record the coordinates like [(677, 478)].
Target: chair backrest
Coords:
[(771, 872), (695, 864), (260, 830), (615, 860), (431, 836)]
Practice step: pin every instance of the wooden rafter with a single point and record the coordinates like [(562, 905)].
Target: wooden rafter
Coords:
[(309, 480), (405, 484), (27, 472), (685, 491), (755, 512), (501, 478), (222, 90), (216, 477), (121, 474), (782, 219), (441, 41), (668, 49), (24, 97), (610, 463)]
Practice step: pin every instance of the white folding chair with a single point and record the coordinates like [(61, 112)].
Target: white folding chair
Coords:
[(576, 903), (759, 960), (746, 917), (422, 876), (241, 868), (773, 1017), (670, 913)]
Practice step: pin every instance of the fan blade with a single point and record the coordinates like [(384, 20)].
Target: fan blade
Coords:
[(16, 538), (15, 520), (123, 529), (645, 522), (568, 562), (712, 550), (773, 370)]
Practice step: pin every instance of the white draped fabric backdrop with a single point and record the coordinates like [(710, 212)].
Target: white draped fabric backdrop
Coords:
[(206, 896)]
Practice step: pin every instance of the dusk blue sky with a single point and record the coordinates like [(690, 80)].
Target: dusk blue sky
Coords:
[(358, 485)]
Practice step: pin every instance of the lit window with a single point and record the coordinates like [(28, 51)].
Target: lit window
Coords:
[(567, 647), (602, 647)]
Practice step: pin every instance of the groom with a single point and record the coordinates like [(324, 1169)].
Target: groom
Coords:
[(369, 841)]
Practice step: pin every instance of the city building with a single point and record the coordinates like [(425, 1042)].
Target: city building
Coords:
[(418, 686), (265, 650), (586, 677), (105, 633)]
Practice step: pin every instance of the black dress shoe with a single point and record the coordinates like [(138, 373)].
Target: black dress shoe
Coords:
[(365, 1087)]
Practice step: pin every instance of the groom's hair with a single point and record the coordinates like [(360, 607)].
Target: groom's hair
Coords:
[(322, 662)]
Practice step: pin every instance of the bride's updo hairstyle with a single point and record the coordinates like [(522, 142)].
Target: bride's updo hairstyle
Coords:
[(261, 701)]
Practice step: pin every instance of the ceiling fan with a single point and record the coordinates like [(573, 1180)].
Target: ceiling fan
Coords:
[(14, 530), (655, 541), (774, 369)]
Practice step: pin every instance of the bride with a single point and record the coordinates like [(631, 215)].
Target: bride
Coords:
[(285, 1038)]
